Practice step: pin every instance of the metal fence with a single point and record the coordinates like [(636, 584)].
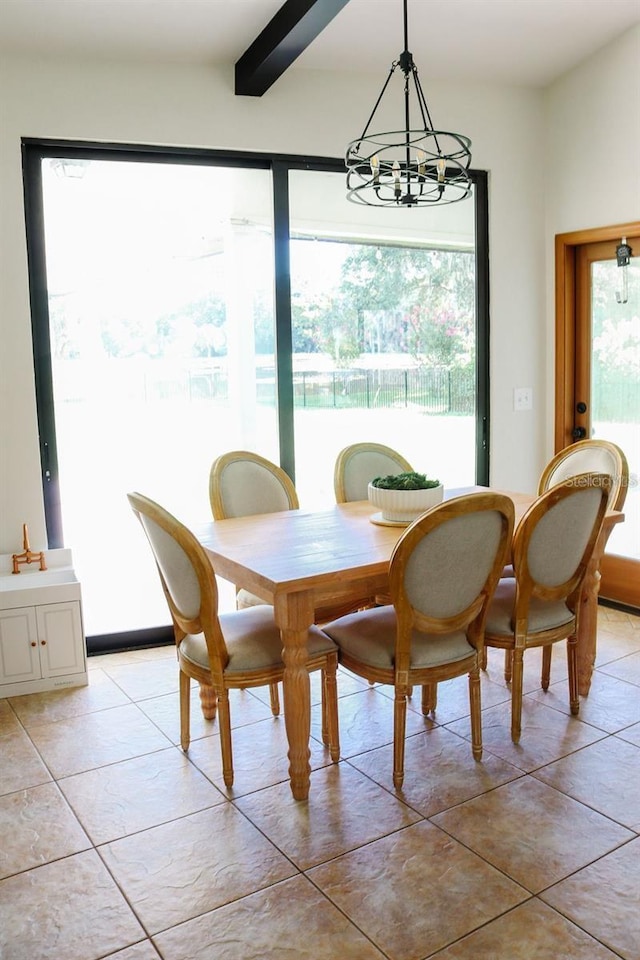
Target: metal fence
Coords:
[(436, 390)]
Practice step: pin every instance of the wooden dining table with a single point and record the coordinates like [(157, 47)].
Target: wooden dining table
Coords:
[(302, 561)]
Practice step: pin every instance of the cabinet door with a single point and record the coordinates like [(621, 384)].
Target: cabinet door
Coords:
[(60, 639), (19, 659)]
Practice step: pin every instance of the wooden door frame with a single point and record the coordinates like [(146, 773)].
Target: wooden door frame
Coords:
[(566, 244)]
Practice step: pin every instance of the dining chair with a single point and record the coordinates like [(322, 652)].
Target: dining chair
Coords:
[(227, 651), (584, 456), (442, 574), (359, 463), (590, 456), (541, 604), (243, 483)]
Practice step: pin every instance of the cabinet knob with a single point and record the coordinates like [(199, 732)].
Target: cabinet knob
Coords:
[(43, 643), (33, 643)]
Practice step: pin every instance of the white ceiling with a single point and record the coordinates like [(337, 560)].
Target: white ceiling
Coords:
[(527, 42)]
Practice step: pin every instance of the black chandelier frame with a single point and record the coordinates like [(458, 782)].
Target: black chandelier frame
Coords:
[(410, 167)]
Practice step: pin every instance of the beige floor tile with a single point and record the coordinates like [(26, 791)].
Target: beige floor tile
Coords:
[(546, 736), (521, 828), (631, 734), (603, 900), (114, 757), (611, 705), (290, 919), (345, 810), (147, 678), (165, 713), (141, 951), (614, 643), (366, 722), (124, 798), (84, 743), (67, 910), (626, 668), (185, 868), (530, 932), (8, 720), (99, 694), (416, 891), (439, 771), (259, 757), (37, 826), (22, 766), (605, 776)]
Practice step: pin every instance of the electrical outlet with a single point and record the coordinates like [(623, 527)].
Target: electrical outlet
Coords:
[(523, 398)]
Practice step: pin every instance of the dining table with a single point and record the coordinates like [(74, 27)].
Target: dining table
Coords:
[(305, 561)]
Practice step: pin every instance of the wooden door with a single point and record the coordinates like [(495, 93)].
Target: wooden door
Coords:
[(598, 373)]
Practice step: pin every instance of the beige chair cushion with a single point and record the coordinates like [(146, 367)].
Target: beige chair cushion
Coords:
[(557, 544), (462, 550), (247, 488), (253, 641), (362, 468), (543, 615), (369, 636), (585, 460)]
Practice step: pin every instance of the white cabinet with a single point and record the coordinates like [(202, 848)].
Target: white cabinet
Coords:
[(42, 645)]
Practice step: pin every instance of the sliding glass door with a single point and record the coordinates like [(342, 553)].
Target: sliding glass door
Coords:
[(186, 303), (161, 330), (384, 329)]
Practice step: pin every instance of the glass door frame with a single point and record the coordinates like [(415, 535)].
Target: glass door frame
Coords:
[(35, 150)]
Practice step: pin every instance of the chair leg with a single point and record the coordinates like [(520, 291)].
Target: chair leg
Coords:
[(516, 693), (429, 698), (476, 713), (483, 659), (546, 666), (185, 708), (275, 699), (208, 701), (399, 726), (508, 665), (225, 737), (330, 728), (572, 664)]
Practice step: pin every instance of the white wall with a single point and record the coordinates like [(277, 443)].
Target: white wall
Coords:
[(305, 112), (591, 157)]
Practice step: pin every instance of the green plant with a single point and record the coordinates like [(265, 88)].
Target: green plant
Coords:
[(405, 481)]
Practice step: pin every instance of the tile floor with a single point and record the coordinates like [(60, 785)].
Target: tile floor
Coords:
[(115, 844)]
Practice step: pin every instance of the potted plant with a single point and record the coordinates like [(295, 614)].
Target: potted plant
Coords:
[(402, 497)]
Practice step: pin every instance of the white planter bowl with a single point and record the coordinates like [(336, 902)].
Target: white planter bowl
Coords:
[(403, 506)]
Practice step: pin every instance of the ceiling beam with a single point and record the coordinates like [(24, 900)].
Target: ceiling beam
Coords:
[(296, 24)]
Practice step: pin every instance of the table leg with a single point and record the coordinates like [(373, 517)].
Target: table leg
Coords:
[(294, 616), (588, 623)]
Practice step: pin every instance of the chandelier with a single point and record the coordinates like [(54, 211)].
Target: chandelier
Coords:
[(413, 167)]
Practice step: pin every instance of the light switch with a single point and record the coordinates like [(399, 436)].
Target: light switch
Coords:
[(523, 398)]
